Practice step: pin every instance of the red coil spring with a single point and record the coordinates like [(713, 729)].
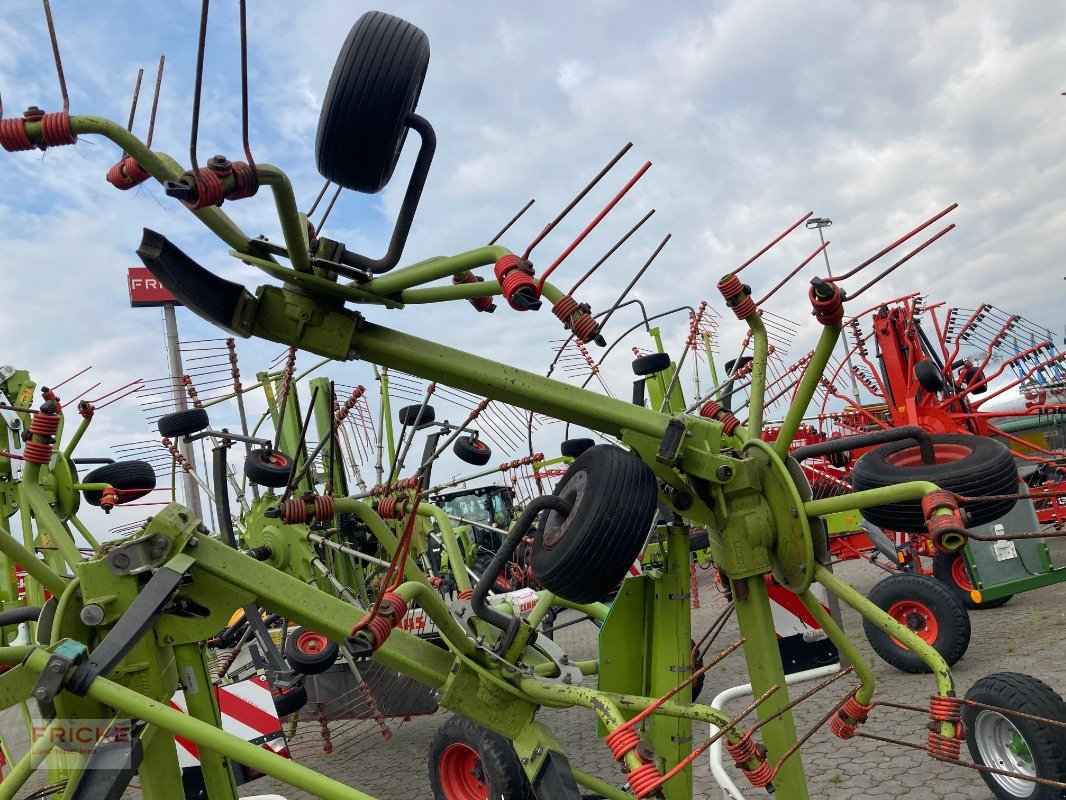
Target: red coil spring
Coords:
[(743, 753), (938, 500), (176, 453), (585, 327), (55, 129), (392, 507), (945, 709), (827, 312), (729, 423), (127, 173), (466, 594), (294, 511), (37, 452), (397, 604), (44, 424), (325, 508), (710, 409), (13, 136), (851, 715), (380, 628), (515, 274), (943, 746), (938, 527), (621, 740), (245, 181), (564, 307), (479, 303), (745, 307), (644, 780), (209, 190), (730, 286)]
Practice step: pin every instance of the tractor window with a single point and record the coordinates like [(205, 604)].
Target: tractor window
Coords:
[(501, 510), (471, 508)]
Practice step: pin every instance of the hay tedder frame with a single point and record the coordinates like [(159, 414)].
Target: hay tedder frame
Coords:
[(125, 629)]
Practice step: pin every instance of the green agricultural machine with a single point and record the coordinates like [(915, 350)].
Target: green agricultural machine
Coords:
[(125, 628)]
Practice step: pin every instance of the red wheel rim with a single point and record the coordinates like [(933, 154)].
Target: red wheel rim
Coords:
[(461, 776), (310, 643), (477, 444), (960, 575), (276, 459), (944, 453), (917, 617)]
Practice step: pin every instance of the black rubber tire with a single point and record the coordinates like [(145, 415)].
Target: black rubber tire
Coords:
[(572, 448), (1046, 743), (651, 364), (290, 701), (968, 465), (408, 414), (944, 566), (472, 451), (303, 659), (132, 479), (952, 620), (584, 556), (481, 563), (374, 87), (498, 767), (182, 423), (928, 375), (699, 540), (270, 468)]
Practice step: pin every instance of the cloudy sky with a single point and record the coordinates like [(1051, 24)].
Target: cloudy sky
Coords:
[(876, 115)]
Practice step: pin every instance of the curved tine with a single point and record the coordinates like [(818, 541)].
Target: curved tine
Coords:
[(902, 261), (780, 236), (511, 222)]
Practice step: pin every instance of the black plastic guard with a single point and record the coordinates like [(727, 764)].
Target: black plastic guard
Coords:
[(200, 290)]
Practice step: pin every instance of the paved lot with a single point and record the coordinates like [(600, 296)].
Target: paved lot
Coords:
[(1026, 635)]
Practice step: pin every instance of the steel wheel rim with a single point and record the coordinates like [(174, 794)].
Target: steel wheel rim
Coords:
[(461, 775), (959, 574), (997, 741), (917, 618)]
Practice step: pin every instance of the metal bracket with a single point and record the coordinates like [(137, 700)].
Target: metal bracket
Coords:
[(139, 555), (670, 448), (50, 683)]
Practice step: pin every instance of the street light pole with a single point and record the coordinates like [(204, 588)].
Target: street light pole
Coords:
[(192, 491), (820, 223)]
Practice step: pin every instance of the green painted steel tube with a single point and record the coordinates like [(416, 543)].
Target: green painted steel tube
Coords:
[(598, 611), (34, 496), (823, 351), (31, 760), (941, 672), (1034, 423), (84, 531), (435, 607), (35, 568), (846, 649), (292, 230), (912, 490), (439, 294), (314, 283), (160, 166), (763, 658), (757, 390), (451, 544), (173, 721), (508, 384), (598, 785), (434, 269), (670, 660), (202, 704)]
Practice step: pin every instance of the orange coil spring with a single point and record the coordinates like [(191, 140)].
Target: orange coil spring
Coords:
[(743, 753), (392, 507), (37, 452), (379, 627), (760, 776), (246, 181), (851, 715), (644, 780), (55, 129), (935, 501), (945, 709), (584, 327), (827, 312), (127, 173), (516, 274), (710, 409), (621, 740), (479, 303), (13, 136), (294, 511), (730, 286), (466, 594), (325, 508), (44, 424), (729, 423), (745, 307), (943, 746), (397, 604), (208, 189)]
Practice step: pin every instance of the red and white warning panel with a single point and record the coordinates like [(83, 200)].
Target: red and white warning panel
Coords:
[(803, 643), (247, 709)]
